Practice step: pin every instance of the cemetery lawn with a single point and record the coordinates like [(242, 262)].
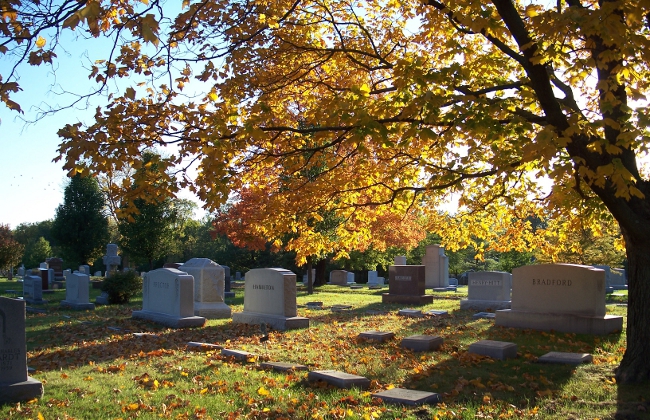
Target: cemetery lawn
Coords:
[(92, 366)]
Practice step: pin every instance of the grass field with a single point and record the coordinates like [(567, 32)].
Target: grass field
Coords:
[(94, 367)]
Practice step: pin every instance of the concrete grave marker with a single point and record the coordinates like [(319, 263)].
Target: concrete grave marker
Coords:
[(209, 288), (270, 298), (238, 354), (565, 358), (487, 290), (411, 313), (495, 349), (408, 396), (194, 345), (406, 285), (339, 379), (561, 297), (283, 366), (15, 384), (168, 299), (77, 292), (380, 336), (422, 342)]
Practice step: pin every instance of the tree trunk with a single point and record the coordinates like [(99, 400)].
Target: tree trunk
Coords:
[(10, 275), (320, 272), (635, 366)]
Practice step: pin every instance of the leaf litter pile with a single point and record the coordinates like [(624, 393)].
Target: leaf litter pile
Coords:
[(103, 364)]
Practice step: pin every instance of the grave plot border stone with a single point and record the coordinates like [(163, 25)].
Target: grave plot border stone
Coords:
[(238, 354), (380, 336), (422, 342), (195, 345), (410, 313), (283, 366), (408, 396), (339, 379), (500, 350), (560, 357)]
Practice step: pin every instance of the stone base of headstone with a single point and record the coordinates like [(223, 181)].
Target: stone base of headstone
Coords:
[(21, 391), (282, 366), (559, 322), (58, 285), (78, 306), (484, 305), (102, 299), (35, 301), (339, 379), (212, 310), (422, 342), (407, 299), (228, 295), (560, 357), (408, 396), (500, 350), (380, 336), (276, 322), (484, 315), (170, 321)]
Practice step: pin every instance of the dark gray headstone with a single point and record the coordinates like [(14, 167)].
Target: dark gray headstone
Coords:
[(339, 379), (226, 270), (565, 358), (380, 336), (408, 396), (422, 342), (237, 354), (282, 366), (15, 384), (495, 349)]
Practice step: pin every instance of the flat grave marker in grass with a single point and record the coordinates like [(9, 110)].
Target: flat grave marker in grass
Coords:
[(484, 315), (283, 366), (407, 396), (380, 336), (168, 299), (422, 342), (560, 357), (15, 384), (237, 354), (411, 313), (500, 350), (436, 312), (195, 345), (339, 379)]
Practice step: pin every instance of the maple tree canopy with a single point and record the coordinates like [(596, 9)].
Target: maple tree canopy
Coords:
[(376, 108)]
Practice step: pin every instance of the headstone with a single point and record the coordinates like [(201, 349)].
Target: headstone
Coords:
[(270, 298), (350, 278), (380, 336), (453, 282), (111, 259), (500, 350), (437, 267), (237, 276), (305, 277), (560, 357), (168, 299), (406, 285), (171, 265), (33, 289), (209, 285), (57, 265), (372, 278), (408, 396), (283, 366), (561, 297), (66, 272), (339, 379), (614, 277), (44, 274), (50, 276), (15, 384), (339, 277), (43, 266), (487, 290), (102, 299), (84, 269), (77, 292), (228, 293), (98, 273), (422, 342), (21, 271), (400, 260)]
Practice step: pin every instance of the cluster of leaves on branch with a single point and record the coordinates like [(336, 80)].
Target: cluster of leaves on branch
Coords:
[(11, 251)]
